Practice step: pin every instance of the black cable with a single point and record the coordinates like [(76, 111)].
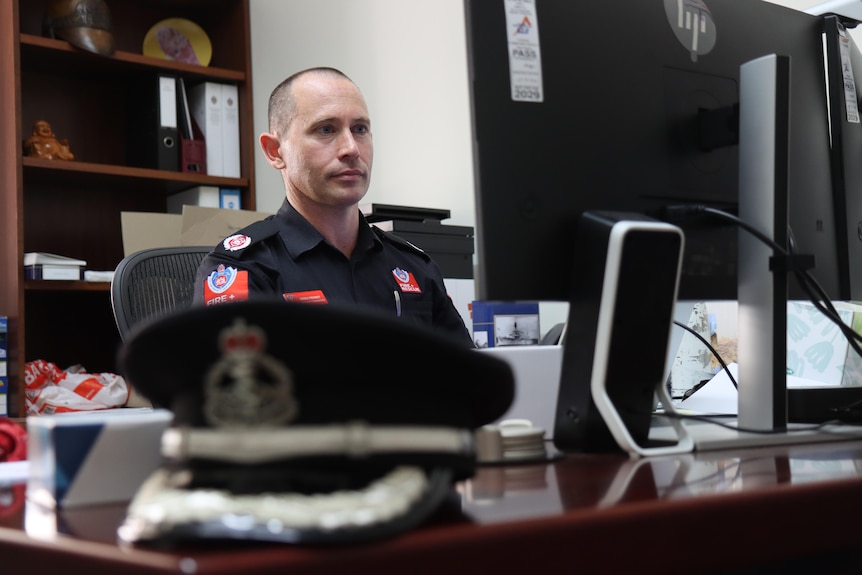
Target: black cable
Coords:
[(744, 225), (806, 281), (712, 350), (815, 292)]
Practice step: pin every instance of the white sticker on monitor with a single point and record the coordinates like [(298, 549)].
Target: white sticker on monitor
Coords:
[(525, 58), (849, 81)]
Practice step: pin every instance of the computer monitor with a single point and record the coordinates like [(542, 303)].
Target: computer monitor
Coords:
[(633, 106), (844, 74), (622, 105)]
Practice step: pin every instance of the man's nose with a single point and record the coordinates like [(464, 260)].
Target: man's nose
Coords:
[(348, 145)]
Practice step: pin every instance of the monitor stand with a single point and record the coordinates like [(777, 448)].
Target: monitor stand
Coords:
[(764, 136), (709, 436), (764, 120)]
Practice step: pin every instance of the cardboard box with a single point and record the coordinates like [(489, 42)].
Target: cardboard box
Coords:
[(196, 226), (96, 457), (816, 348), (209, 226), (145, 230)]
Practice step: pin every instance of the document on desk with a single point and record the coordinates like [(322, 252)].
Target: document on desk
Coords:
[(719, 396)]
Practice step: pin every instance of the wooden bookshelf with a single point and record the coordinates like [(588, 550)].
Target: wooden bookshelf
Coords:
[(73, 208)]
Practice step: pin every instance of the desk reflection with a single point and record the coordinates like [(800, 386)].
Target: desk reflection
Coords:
[(496, 492), (11, 504), (92, 523), (580, 504), (581, 482)]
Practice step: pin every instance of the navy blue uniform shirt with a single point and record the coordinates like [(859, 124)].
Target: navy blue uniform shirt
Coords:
[(285, 256)]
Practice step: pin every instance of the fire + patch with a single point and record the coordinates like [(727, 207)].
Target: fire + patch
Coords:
[(236, 242), (225, 285), (406, 281)]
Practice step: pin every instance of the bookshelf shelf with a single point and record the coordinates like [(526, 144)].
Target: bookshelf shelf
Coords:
[(73, 207), (60, 285), (46, 53), (121, 178)]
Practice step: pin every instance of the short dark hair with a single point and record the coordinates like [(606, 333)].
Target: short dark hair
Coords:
[(282, 107)]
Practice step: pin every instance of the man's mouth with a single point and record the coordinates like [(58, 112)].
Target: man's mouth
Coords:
[(349, 175)]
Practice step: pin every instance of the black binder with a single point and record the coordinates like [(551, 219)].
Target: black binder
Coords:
[(153, 113)]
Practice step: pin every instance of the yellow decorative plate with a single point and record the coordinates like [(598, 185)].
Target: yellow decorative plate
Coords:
[(180, 40)]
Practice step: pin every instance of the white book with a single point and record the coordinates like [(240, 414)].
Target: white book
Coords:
[(230, 144), (205, 104), (52, 272), (41, 258)]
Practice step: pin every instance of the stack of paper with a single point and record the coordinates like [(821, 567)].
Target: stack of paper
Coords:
[(45, 266)]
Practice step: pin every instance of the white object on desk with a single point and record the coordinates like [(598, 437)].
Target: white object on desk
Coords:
[(537, 379), (719, 396), (12, 472), (95, 457), (716, 397)]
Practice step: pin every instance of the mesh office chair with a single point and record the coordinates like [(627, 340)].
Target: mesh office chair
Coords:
[(153, 282)]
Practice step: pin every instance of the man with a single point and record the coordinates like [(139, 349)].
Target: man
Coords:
[(318, 248)]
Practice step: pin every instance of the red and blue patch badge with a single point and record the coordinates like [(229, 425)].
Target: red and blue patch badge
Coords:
[(225, 285), (406, 281)]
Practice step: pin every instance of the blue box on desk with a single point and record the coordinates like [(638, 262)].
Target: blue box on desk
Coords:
[(4, 366), (505, 323), (95, 457)]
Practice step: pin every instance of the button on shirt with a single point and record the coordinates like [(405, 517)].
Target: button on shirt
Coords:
[(285, 256)]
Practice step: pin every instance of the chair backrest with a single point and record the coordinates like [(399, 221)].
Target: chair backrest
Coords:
[(153, 282)]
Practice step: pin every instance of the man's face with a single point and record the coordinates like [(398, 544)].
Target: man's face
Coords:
[(328, 149)]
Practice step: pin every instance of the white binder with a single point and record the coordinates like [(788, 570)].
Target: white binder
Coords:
[(205, 101), (215, 108), (230, 143)]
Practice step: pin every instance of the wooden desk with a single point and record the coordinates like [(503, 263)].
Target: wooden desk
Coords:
[(702, 513)]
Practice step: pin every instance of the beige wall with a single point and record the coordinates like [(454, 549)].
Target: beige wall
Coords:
[(409, 59)]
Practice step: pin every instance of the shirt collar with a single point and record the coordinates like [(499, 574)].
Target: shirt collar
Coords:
[(300, 236)]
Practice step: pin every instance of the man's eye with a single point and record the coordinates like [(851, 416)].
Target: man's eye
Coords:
[(360, 129), (326, 130)]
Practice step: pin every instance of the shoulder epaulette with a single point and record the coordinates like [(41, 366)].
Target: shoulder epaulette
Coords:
[(399, 241), (236, 244)]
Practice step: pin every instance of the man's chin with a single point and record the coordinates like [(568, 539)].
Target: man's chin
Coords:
[(349, 195)]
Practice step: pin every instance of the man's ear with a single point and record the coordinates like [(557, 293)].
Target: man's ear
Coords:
[(270, 145)]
